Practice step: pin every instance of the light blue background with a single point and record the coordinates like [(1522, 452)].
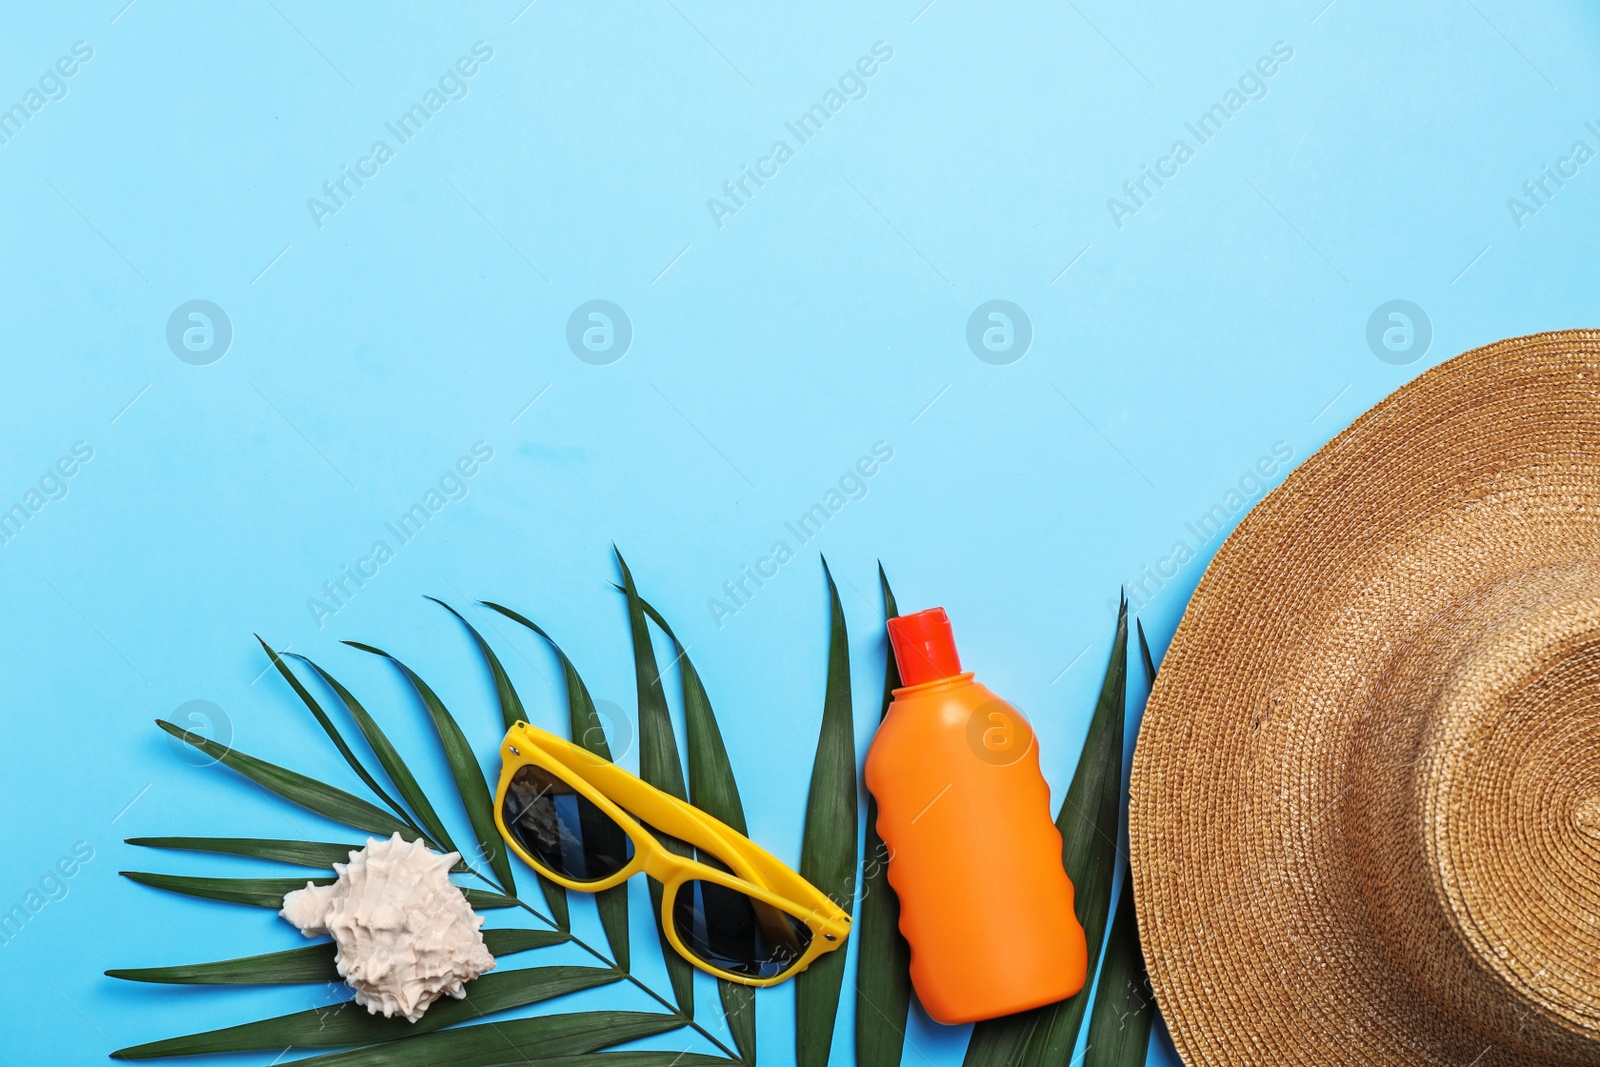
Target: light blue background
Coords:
[(829, 313)]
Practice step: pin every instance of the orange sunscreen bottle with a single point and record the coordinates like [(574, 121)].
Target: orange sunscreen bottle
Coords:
[(973, 853)]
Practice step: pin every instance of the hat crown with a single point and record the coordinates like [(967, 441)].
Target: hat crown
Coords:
[(1475, 789)]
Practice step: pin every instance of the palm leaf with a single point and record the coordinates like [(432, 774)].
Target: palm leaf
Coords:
[(303, 853), (314, 963), (256, 892), (613, 903), (464, 768), (713, 790), (507, 942), (269, 892), (639, 1058), (502, 1057), (883, 958), (328, 728), (828, 848), (347, 1023), (309, 793), (1088, 825), (555, 896), (510, 703), (484, 900), (739, 1012), (1144, 653), (389, 758), (559, 1039), (460, 1046), (1124, 1004), (293, 966), (586, 730), (660, 766)]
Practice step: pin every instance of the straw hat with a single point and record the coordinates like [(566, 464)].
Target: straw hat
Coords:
[(1365, 824)]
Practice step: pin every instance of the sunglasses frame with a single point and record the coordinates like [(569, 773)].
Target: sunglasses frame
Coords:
[(757, 873)]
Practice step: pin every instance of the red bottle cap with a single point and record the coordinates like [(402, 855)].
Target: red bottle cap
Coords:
[(924, 647)]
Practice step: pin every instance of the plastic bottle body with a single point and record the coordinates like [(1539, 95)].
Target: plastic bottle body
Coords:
[(974, 855)]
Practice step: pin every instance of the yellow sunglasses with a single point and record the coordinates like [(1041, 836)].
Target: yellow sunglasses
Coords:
[(566, 812)]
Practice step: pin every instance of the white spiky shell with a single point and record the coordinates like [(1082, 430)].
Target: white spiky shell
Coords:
[(405, 935)]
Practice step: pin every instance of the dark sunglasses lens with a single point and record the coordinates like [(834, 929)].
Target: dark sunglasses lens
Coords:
[(733, 932), (562, 828)]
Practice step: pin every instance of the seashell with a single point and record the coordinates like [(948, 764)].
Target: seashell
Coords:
[(406, 936)]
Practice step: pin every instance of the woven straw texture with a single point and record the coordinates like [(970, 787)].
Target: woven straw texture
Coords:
[(1365, 824)]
